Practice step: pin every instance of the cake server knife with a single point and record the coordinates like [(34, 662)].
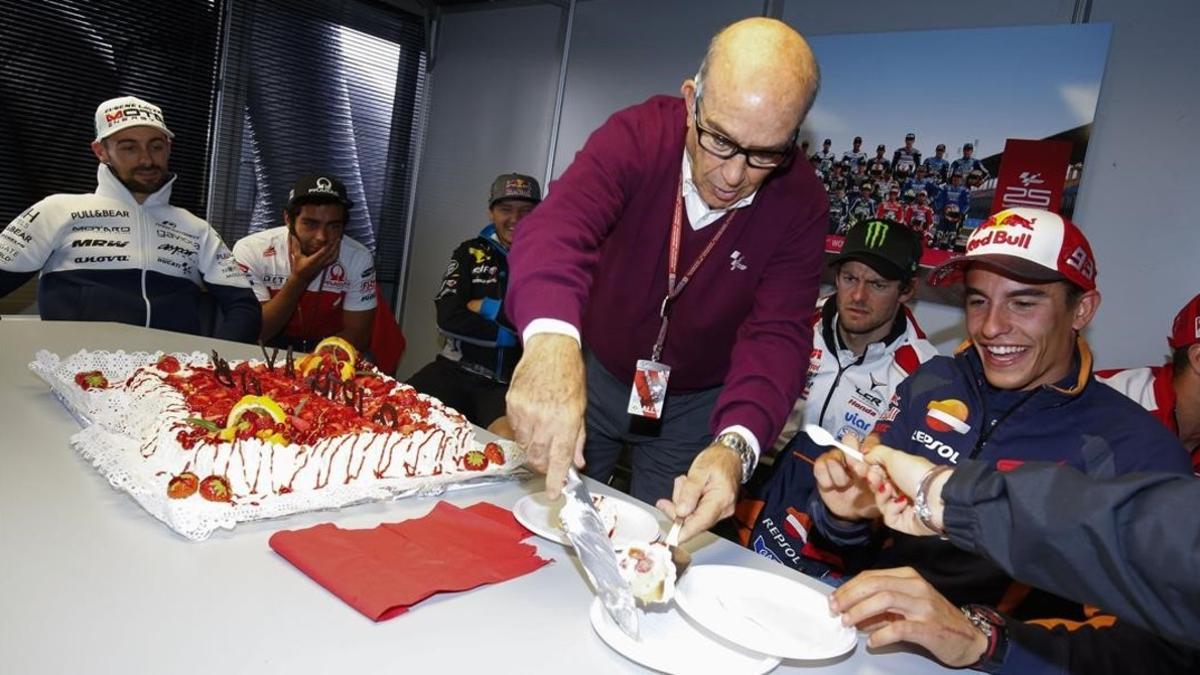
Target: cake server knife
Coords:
[(584, 529)]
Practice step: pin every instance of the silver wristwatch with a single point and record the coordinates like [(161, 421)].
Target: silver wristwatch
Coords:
[(749, 458)]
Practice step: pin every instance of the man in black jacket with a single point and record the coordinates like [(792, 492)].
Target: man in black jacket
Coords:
[(472, 372)]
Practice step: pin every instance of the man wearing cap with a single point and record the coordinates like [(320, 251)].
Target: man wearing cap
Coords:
[(945, 234), (922, 181), (313, 282), (906, 159), (955, 193), (879, 160), (839, 209), (891, 208), (918, 216), (1020, 389), (472, 373), (123, 253), (683, 241), (855, 155), (865, 342), (825, 157), (967, 163), (862, 207), (1170, 392), (937, 166)]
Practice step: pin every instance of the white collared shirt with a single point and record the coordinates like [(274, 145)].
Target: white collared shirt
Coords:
[(700, 214)]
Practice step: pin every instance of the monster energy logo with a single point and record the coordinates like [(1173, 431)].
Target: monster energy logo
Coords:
[(877, 231)]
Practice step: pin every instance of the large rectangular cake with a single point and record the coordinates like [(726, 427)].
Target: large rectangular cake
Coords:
[(202, 443)]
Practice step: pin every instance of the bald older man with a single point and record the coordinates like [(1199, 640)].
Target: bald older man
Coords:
[(663, 287)]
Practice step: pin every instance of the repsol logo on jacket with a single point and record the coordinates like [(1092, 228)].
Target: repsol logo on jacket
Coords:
[(109, 243), (944, 451), (102, 259)]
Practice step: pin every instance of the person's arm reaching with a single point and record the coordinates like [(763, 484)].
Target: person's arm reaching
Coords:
[(552, 262), (1128, 544)]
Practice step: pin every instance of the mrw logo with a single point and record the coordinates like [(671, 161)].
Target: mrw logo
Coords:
[(877, 232)]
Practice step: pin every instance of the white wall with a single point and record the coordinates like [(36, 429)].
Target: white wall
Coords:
[(1137, 200), (624, 51), (1131, 204), (493, 88)]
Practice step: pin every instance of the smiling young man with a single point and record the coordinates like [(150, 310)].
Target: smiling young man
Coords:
[(1020, 389), (696, 198), (472, 373), (312, 280), (124, 253)]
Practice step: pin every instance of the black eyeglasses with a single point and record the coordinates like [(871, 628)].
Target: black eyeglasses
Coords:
[(725, 148)]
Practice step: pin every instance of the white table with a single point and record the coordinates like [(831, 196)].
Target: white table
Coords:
[(90, 583)]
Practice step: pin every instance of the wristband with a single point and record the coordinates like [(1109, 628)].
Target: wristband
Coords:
[(921, 501), (994, 627)]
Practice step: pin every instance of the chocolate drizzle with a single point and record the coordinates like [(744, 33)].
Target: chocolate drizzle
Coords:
[(221, 370), (269, 358)]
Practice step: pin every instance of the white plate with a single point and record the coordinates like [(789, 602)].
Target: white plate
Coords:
[(634, 523), (763, 612), (667, 642)]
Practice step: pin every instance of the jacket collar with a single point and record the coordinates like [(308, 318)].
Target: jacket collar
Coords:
[(107, 185), (489, 233)]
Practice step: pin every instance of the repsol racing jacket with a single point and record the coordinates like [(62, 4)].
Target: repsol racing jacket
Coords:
[(844, 393), (1153, 388), (947, 412), (483, 342), (104, 257)]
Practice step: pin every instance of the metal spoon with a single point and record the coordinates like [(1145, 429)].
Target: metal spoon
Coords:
[(679, 556), (822, 437)]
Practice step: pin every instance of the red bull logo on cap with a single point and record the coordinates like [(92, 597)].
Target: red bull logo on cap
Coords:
[(1011, 219), (1007, 228), (518, 187), (999, 238)]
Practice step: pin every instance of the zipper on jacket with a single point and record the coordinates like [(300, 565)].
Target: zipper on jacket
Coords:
[(144, 256), (837, 351)]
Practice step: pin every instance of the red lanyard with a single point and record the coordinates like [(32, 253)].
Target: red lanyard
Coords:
[(675, 289)]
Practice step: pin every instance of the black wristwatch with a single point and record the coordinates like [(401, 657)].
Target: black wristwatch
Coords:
[(741, 446), (995, 627)]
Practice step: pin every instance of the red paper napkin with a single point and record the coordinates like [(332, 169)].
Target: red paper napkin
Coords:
[(383, 571)]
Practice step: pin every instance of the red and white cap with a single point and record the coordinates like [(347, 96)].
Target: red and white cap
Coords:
[(1030, 243), (1186, 329), (120, 113)]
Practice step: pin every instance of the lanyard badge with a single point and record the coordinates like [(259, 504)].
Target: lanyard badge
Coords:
[(649, 392)]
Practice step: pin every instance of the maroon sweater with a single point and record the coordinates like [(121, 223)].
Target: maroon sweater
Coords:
[(594, 254)]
